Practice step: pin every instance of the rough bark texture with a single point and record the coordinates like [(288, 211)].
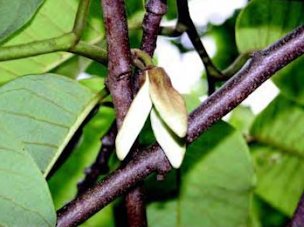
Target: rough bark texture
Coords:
[(119, 57)]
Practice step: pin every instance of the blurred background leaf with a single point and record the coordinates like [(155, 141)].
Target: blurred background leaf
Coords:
[(278, 150)]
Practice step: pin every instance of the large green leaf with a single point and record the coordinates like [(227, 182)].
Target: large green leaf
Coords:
[(263, 22), (25, 199), (216, 182), (53, 19), (14, 14), (44, 112), (279, 153)]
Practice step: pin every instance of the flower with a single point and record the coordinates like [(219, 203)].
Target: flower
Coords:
[(168, 116)]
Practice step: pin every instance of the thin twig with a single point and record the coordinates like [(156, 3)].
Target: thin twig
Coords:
[(100, 166), (261, 67), (184, 20)]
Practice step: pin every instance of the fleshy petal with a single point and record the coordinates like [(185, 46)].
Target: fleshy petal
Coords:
[(173, 146), (167, 101), (134, 121)]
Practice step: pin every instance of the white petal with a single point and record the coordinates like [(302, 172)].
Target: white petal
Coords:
[(134, 121), (173, 146)]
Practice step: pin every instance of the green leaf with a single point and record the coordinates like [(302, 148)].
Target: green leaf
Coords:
[(44, 111), (25, 199), (279, 154), (263, 22), (16, 13), (216, 182), (47, 24), (95, 84)]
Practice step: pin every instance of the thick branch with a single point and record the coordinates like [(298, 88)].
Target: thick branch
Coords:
[(113, 186), (261, 67), (119, 82), (136, 206), (119, 57)]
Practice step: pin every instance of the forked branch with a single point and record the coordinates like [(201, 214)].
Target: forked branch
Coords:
[(257, 70)]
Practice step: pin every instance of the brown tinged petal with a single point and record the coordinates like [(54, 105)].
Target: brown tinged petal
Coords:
[(167, 101)]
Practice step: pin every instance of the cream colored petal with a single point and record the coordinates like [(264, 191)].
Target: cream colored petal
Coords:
[(173, 146), (167, 101), (134, 121)]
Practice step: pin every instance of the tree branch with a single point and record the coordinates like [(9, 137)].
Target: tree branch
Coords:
[(260, 68), (119, 57), (155, 9), (136, 206)]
